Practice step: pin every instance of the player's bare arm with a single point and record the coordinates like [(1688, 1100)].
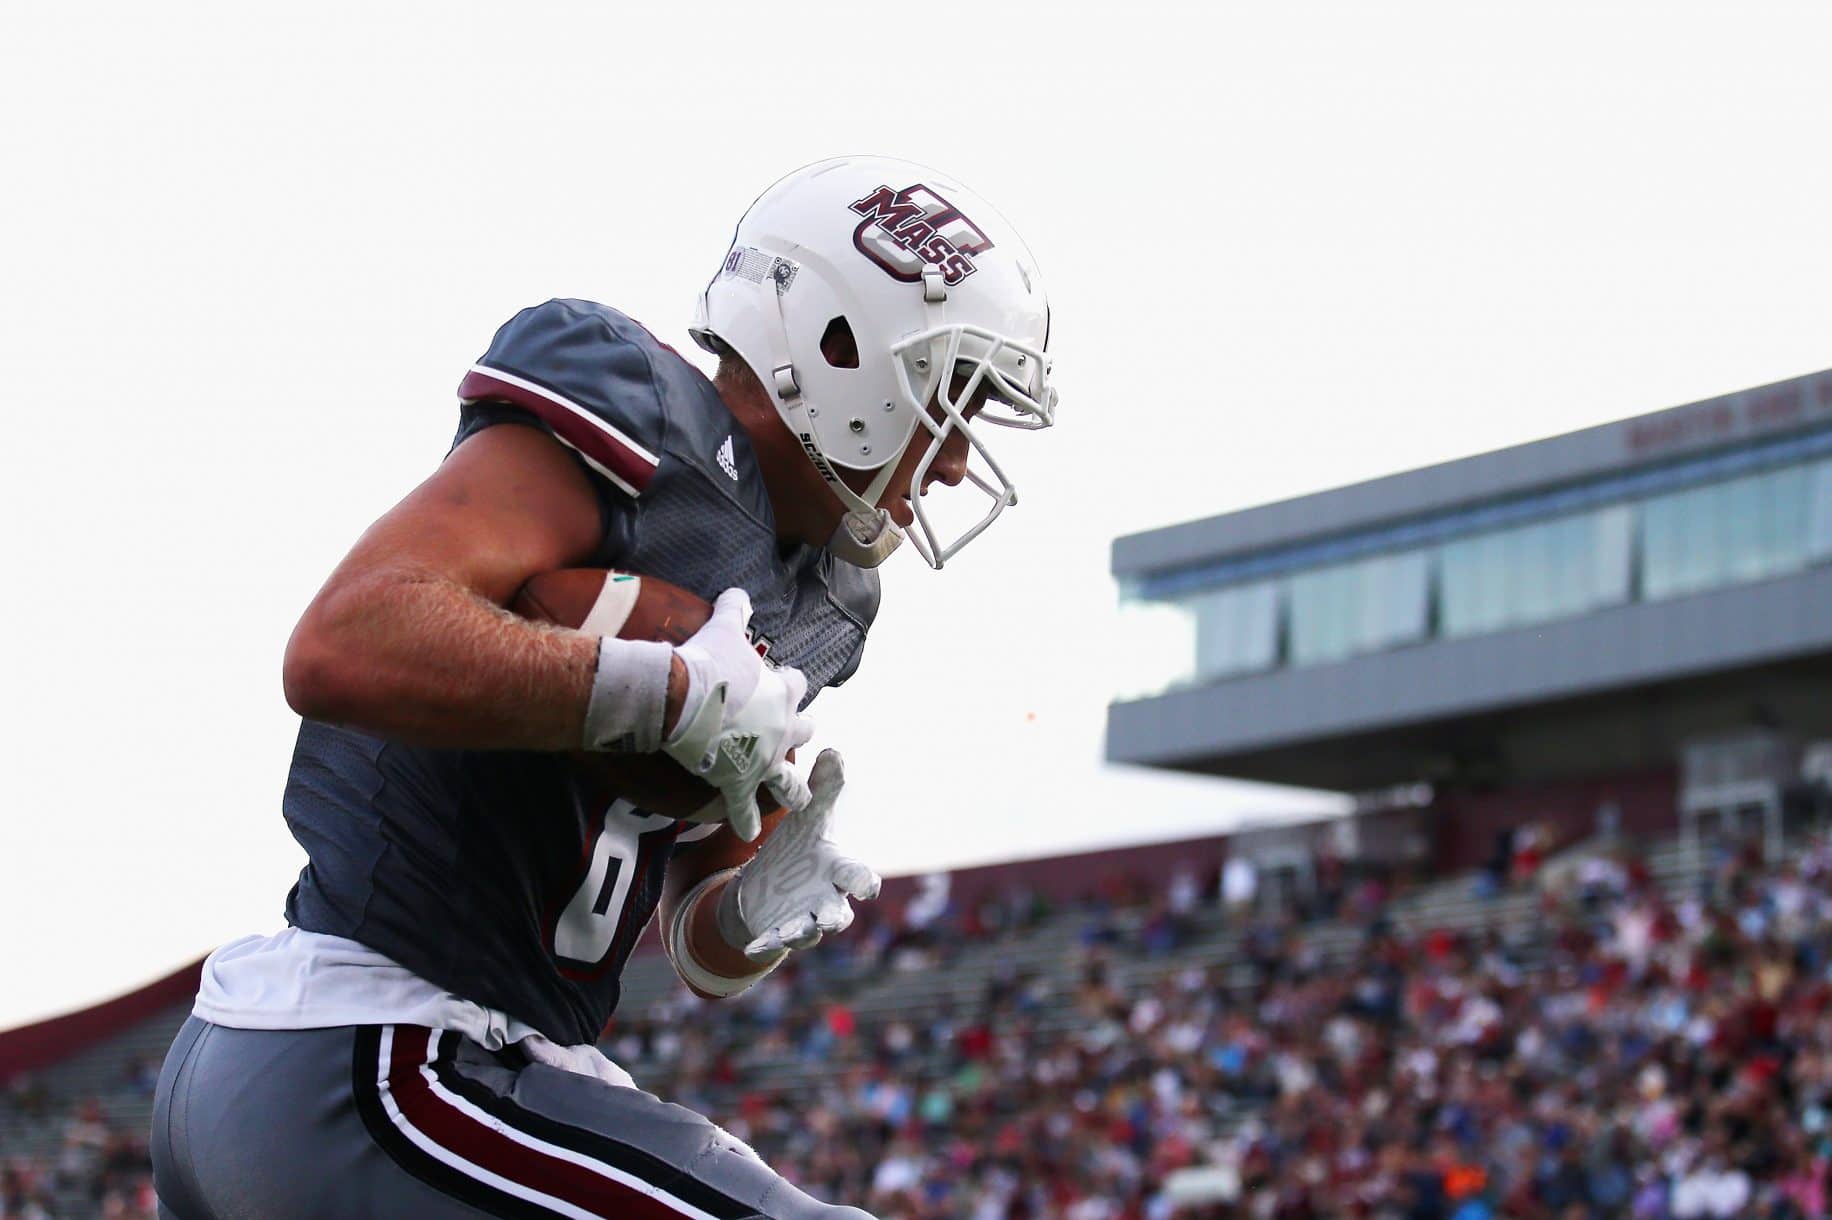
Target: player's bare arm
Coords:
[(408, 638)]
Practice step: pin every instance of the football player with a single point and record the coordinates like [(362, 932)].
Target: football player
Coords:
[(419, 1041)]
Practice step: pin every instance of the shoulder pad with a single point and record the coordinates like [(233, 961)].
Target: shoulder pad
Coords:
[(588, 373)]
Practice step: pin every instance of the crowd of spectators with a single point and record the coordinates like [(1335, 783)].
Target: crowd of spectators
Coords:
[(1615, 1051), (1619, 1052), (98, 1167), (1628, 1055)]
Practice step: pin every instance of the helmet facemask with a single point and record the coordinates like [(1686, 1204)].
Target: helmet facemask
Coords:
[(1010, 382)]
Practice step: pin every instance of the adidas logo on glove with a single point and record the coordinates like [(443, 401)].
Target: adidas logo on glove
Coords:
[(737, 748)]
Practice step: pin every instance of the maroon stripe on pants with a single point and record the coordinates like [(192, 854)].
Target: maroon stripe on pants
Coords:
[(486, 1147)]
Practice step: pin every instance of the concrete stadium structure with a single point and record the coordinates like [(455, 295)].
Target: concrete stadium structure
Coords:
[(1630, 622)]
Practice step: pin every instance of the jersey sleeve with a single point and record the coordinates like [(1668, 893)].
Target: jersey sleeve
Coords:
[(580, 372)]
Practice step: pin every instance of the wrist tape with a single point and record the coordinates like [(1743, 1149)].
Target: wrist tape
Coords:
[(629, 698), (691, 972)]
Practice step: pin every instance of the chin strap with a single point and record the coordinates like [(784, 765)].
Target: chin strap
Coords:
[(865, 540), (866, 535)]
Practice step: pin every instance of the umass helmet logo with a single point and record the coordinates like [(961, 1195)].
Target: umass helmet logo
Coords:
[(907, 230)]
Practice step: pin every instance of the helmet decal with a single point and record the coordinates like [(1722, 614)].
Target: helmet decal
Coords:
[(756, 266), (904, 231)]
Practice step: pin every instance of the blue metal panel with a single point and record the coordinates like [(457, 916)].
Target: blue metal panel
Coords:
[(1616, 649), (1425, 531)]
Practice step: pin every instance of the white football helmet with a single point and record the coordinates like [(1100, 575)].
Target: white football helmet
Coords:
[(931, 282)]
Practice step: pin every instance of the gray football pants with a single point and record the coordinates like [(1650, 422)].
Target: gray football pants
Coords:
[(403, 1122)]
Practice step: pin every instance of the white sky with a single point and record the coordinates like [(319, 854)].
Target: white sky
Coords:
[(246, 255)]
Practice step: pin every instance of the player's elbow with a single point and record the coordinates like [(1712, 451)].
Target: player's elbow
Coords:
[(324, 674), (317, 679)]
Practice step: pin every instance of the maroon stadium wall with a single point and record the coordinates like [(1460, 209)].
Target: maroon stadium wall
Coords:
[(1467, 823), (1083, 875), (46, 1042)]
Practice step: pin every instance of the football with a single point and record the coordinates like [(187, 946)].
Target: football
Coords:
[(622, 604), (630, 607)]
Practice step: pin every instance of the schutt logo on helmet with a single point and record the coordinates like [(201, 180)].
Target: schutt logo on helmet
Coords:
[(904, 231)]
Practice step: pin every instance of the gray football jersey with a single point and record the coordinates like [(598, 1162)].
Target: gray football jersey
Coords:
[(490, 873)]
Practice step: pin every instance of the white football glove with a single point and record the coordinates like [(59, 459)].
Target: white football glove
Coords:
[(796, 888), (739, 719)]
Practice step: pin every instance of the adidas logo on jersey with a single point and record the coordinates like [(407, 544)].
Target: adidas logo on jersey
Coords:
[(728, 461)]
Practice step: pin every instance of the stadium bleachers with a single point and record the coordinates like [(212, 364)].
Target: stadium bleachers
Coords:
[(898, 1048), (1049, 954)]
